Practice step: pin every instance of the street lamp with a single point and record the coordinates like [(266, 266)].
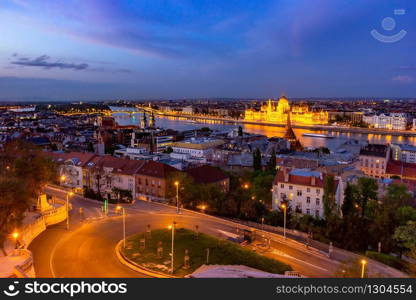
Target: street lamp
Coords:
[(246, 186), (172, 227), (63, 179), (124, 223), (284, 219), (67, 208), (177, 196), (15, 235), (363, 263)]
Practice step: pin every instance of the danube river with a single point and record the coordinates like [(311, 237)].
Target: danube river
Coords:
[(181, 124)]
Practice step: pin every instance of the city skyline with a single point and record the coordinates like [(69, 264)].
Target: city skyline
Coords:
[(95, 50)]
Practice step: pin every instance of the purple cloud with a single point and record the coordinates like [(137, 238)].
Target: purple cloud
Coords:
[(44, 62)]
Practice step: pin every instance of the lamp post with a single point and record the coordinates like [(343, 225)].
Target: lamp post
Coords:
[(123, 211), (284, 219), (15, 235), (177, 196), (172, 227), (63, 179), (363, 263), (67, 209)]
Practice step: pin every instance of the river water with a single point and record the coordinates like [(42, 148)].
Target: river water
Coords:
[(181, 124)]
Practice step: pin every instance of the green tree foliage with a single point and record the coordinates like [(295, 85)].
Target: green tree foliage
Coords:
[(24, 171), (240, 131), (367, 192), (330, 206), (168, 150), (272, 162), (350, 197), (257, 159), (405, 236)]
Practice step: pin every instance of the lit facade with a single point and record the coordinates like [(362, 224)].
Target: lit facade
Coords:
[(393, 121), (276, 112)]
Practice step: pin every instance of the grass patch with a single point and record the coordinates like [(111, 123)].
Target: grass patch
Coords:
[(221, 252), (386, 259)]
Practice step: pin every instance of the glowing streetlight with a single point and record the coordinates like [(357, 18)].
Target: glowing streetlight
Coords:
[(118, 208), (246, 186), (283, 206), (363, 263), (63, 178), (177, 196), (15, 236), (70, 194), (172, 227)]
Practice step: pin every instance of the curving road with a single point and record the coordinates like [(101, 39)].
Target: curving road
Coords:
[(88, 248)]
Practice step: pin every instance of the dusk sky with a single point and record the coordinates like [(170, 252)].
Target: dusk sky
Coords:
[(98, 49)]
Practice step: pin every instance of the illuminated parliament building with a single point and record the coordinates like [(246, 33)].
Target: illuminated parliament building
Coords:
[(277, 112)]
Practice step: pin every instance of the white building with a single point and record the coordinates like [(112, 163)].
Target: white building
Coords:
[(130, 152), (195, 148), (70, 168), (414, 124), (188, 110), (405, 153), (393, 121), (304, 190), (373, 160)]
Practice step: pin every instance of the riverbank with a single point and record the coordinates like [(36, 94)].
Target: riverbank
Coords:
[(330, 128)]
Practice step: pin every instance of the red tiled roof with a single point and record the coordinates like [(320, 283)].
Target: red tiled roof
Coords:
[(403, 169), (78, 158), (300, 180), (206, 174), (156, 169)]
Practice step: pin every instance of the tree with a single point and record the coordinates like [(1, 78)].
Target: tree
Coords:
[(330, 206), (168, 150), (397, 195), (350, 195), (367, 191), (405, 236), (272, 162), (24, 171), (240, 131), (257, 159)]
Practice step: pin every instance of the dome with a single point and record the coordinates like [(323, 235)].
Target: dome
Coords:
[(283, 100)]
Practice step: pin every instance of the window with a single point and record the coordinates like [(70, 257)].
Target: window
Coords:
[(290, 187), (308, 190), (282, 195), (299, 192), (317, 213), (282, 186), (308, 211), (308, 200), (318, 201), (318, 191)]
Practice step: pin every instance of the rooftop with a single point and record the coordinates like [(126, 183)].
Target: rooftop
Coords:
[(374, 150)]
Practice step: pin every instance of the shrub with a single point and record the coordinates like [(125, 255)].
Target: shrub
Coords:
[(386, 259)]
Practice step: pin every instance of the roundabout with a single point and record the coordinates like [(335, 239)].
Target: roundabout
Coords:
[(150, 252)]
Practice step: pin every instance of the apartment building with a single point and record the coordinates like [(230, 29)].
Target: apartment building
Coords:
[(373, 160), (304, 190)]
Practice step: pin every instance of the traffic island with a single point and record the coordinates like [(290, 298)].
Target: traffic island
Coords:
[(150, 253)]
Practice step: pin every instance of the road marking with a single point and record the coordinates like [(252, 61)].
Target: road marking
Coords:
[(280, 253), (229, 234)]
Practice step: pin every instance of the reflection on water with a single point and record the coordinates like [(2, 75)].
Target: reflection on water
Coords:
[(181, 124)]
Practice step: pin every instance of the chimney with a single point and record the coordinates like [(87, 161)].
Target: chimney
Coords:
[(286, 175), (313, 181)]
